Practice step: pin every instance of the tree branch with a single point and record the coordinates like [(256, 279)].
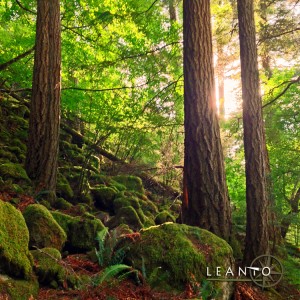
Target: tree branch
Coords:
[(290, 83), (17, 58), (25, 8)]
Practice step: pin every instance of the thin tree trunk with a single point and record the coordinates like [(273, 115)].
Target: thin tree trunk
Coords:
[(42, 153), (206, 197), (257, 229)]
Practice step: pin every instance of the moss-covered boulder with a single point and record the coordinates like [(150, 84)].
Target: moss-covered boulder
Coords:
[(81, 231), (13, 171), (132, 183), (44, 231), (163, 217), (12, 289), (175, 254), (103, 197), (49, 270), (126, 215), (63, 188), (15, 258)]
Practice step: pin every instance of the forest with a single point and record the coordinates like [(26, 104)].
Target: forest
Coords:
[(149, 149)]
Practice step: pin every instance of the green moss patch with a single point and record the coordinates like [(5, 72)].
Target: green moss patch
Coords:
[(163, 217), (103, 197), (81, 231), (15, 258), (178, 254), (131, 183), (63, 188), (18, 289), (44, 231), (13, 171)]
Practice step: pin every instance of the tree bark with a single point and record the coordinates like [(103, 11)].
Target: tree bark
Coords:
[(257, 229), (42, 153), (206, 201)]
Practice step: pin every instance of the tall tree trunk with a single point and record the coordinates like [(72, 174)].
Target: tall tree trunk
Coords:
[(257, 229), (206, 201), (221, 87), (42, 153)]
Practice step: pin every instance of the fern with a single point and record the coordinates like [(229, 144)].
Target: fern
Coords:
[(101, 236), (112, 271)]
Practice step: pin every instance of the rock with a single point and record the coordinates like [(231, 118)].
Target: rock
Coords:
[(13, 171), (12, 289), (126, 215), (103, 197), (61, 203), (174, 255), (63, 188), (132, 183), (163, 217), (81, 231), (15, 259), (44, 231), (49, 270)]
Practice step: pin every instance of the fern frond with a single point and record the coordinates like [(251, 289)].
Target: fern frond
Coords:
[(112, 271)]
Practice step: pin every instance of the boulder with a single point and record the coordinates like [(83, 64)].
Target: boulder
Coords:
[(81, 231), (103, 197), (163, 217), (15, 259), (16, 289), (44, 231), (174, 255), (132, 183)]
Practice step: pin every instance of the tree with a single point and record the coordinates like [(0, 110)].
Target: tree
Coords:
[(206, 202), (42, 150), (257, 235)]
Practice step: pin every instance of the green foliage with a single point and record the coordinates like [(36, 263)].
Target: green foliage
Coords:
[(108, 254), (114, 270)]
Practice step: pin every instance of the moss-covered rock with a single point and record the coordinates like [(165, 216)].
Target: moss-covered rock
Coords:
[(63, 188), (103, 197), (132, 183), (61, 203), (81, 231), (44, 231), (8, 156), (126, 215), (163, 217), (15, 258), (13, 171), (12, 289), (179, 254), (48, 268)]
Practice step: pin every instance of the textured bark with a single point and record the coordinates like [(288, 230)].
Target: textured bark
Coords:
[(206, 199), (42, 153), (257, 235)]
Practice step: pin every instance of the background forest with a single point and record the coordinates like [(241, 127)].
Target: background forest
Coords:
[(122, 110)]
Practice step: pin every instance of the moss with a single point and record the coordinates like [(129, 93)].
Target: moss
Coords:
[(16, 150), (63, 188), (179, 252), (15, 258), (10, 157), (14, 171), (18, 289), (123, 201), (63, 220), (47, 267), (132, 183), (104, 197), (148, 207), (17, 143), (164, 216), (117, 186), (44, 231), (81, 231), (126, 215), (45, 203), (61, 203)]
